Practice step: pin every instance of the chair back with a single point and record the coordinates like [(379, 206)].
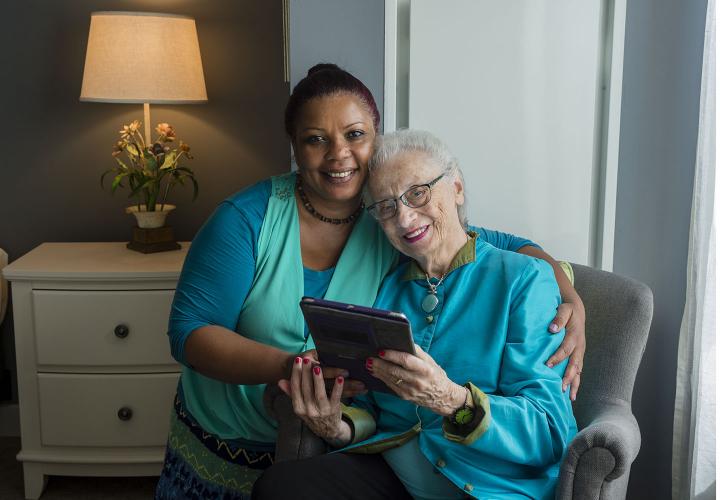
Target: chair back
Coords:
[(618, 314)]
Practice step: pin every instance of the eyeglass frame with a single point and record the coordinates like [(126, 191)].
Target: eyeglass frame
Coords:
[(403, 198)]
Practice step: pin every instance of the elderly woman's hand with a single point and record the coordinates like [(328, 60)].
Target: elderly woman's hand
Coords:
[(571, 316), (310, 401), (418, 379)]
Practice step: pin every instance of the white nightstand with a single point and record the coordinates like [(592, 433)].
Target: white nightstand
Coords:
[(95, 377)]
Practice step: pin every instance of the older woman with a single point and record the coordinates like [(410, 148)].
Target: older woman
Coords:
[(477, 412)]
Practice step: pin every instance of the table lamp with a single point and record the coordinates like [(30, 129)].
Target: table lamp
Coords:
[(143, 57)]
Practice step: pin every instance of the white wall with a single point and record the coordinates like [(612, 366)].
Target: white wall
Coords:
[(515, 90)]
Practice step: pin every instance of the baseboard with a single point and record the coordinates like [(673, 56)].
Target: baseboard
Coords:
[(9, 420)]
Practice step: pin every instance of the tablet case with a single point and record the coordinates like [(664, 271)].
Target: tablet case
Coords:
[(346, 335)]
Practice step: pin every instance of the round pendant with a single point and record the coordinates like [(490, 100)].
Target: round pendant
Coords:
[(429, 303)]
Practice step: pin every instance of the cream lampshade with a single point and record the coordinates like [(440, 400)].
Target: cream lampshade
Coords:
[(143, 57)]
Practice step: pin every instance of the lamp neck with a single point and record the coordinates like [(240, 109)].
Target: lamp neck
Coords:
[(146, 110)]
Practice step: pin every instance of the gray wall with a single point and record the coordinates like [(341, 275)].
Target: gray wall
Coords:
[(348, 33), (658, 134), (54, 147)]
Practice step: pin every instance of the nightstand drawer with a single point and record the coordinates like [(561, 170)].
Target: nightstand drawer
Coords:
[(102, 328), (105, 410)]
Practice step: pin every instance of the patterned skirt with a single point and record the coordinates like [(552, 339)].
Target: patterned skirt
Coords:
[(199, 465)]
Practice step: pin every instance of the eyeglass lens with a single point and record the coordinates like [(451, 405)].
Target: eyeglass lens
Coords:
[(415, 197)]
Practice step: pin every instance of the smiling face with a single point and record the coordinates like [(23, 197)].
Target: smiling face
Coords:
[(333, 142), (429, 234)]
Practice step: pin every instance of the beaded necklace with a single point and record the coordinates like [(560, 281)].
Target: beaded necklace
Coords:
[(308, 206)]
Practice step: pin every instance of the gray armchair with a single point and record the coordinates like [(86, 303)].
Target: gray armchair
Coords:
[(618, 311), (597, 465)]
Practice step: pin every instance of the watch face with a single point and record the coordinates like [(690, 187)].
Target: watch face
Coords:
[(464, 416)]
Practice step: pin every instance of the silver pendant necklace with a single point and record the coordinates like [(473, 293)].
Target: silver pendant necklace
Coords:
[(430, 302)]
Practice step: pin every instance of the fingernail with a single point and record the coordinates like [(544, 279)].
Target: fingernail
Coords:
[(550, 364), (298, 360), (340, 380), (572, 398), (381, 354), (306, 361), (368, 363), (554, 328), (316, 370), (565, 387)]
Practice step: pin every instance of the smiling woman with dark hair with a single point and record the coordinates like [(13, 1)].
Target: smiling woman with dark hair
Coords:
[(477, 412)]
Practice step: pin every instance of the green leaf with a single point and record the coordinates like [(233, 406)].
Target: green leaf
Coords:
[(185, 169), (160, 175), (132, 150), (140, 187), (117, 182), (102, 177), (169, 160), (121, 163), (151, 163), (196, 190)]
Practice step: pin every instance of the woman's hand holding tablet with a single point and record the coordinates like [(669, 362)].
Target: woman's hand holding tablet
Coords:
[(346, 335)]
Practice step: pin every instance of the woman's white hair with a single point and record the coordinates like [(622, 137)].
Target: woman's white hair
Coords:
[(390, 145)]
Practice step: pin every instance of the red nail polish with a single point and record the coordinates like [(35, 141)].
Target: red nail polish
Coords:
[(306, 361), (381, 354), (368, 363), (316, 370), (340, 380), (298, 360)]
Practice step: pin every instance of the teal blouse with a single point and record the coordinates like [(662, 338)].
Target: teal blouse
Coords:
[(489, 330)]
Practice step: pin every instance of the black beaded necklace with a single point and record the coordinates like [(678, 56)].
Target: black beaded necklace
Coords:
[(308, 206)]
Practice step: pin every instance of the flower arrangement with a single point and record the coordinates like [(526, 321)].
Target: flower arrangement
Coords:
[(151, 170)]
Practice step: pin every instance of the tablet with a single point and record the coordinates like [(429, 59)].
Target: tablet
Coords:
[(346, 335)]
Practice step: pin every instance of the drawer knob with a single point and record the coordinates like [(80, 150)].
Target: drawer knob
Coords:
[(125, 413), (122, 331)]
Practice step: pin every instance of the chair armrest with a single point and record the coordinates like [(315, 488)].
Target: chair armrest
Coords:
[(601, 452), (294, 439)]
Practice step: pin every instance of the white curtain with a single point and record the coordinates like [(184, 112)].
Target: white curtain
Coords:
[(694, 428)]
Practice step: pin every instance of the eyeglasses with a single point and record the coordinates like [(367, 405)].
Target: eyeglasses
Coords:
[(415, 197)]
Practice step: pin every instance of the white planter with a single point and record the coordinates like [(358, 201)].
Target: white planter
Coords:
[(150, 220)]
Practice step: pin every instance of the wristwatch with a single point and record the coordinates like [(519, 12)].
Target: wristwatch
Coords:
[(466, 413)]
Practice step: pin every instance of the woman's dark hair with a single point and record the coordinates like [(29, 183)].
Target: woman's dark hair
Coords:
[(327, 80)]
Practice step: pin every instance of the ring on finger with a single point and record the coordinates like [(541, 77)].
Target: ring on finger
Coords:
[(399, 381)]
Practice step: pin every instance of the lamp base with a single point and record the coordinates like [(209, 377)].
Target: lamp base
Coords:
[(160, 239)]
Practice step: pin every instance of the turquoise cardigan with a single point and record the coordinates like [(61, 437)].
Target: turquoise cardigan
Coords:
[(270, 313), (489, 330)]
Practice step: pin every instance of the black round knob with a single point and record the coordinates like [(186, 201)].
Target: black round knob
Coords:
[(122, 331), (125, 413)]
